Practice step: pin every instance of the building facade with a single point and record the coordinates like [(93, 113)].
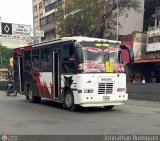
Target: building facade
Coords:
[(38, 6), (43, 13)]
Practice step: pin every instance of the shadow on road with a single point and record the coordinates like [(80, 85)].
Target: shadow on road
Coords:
[(57, 105)]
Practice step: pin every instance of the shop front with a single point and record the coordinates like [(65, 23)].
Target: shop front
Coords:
[(143, 79)]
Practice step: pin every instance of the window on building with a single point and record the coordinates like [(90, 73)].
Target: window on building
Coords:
[(36, 18), (41, 15), (51, 6), (50, 18), (40, 5), (43, 21), (46, 20), (35, 8)]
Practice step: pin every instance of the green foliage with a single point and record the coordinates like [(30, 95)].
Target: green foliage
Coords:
[(150, 6), (5, 55), (94, 18)]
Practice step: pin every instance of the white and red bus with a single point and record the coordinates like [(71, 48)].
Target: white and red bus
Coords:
[(76, 71)]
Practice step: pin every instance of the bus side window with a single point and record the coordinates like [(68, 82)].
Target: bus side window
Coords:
[(27, 60), (68, 65), (45, 59), (35, 59)]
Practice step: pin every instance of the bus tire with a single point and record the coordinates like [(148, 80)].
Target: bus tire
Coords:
[(109, 107), (33, 99), (69, 101)]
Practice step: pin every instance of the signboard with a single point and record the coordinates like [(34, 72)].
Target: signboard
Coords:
[(153, 47), (21, 30), (6, 28), (16, 30), (38, 33), (154, 32)]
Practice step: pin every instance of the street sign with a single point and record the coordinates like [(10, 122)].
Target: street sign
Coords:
[(21, 30), (16, 30), (7, 28)]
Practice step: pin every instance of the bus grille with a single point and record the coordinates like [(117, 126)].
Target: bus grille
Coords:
[(105, 88)]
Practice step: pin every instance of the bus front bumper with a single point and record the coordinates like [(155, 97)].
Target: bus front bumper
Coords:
[(102, 100)]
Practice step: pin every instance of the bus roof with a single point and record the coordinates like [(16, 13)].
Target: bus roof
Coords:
[(74, 38), (83, 39)]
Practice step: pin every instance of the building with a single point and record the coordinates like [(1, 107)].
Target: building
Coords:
[(43, 13), (146, 48), (47, 23), (38, 6)]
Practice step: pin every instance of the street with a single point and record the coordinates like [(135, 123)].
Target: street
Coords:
[(19, 117)]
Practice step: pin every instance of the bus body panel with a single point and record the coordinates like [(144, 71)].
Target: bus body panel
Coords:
[(99, 89)]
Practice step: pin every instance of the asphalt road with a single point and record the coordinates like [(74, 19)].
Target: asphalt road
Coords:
[(19, 117)]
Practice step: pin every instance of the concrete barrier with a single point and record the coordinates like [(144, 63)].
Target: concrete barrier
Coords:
[(144, 91)]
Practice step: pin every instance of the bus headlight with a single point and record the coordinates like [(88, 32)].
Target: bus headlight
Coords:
[(121, 90), (88, 91)]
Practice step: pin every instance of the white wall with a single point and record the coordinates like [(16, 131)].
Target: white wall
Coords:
[(134, 21), (13, 43)]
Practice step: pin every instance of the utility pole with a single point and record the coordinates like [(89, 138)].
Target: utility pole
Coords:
[(117, 20)]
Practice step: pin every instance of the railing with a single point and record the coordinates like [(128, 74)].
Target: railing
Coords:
[(152, 28), (48, 2), (48, 27)]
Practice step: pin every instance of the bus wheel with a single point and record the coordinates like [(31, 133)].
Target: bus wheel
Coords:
[(33, 99), (109, 107), (69, 101)]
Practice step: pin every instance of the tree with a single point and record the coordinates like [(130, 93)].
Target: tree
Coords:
[(5, 55), (150, 6), (96, 18)]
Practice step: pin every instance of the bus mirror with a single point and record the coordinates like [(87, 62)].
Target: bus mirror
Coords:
[(130, 52)]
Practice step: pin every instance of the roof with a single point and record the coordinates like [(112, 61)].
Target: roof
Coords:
[(147, 61), (83, 38)]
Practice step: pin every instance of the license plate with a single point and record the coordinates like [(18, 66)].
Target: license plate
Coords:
[(106, 98)]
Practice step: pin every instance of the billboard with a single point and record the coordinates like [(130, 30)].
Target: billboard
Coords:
[(16, 30)]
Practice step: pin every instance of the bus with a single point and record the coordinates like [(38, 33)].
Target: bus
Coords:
[(75, 71)]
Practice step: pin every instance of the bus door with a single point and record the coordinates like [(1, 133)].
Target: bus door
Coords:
[(18, 74), (56, 73)]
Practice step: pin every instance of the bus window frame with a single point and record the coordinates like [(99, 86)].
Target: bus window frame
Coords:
[(48, 59), (27, 61), (39, 60), (68, 62)]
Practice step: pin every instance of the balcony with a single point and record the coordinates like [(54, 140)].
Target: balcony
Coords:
[(48, 2), (48, 27)]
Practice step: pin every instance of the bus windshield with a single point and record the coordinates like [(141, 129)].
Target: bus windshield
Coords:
[(100, 58)]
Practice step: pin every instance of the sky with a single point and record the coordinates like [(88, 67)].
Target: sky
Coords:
[(16, 11)]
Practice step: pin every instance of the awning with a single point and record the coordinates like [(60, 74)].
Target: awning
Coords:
[(147, 61)]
